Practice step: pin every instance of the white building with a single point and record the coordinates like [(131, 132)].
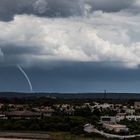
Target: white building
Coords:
[(108, 119), (116, 127), (104, 106), (130, 111), (133, 117), (137, 105), (120, 116)]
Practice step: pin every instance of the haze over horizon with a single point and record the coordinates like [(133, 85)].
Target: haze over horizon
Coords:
[(70, 45)]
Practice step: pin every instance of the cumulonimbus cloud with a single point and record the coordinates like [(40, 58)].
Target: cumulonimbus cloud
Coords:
[(102, 37)]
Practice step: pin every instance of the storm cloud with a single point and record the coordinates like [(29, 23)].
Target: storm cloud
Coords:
[(48, 34), (101, 38)]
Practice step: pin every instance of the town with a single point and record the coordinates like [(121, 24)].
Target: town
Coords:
[(114, 117)]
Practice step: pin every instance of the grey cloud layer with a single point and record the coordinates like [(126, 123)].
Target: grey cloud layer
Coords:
[(107, 31), (64, 8)]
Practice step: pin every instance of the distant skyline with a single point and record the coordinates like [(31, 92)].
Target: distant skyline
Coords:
[(70, 45)]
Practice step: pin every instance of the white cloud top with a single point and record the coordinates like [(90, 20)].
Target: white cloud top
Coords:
[(112, 37)]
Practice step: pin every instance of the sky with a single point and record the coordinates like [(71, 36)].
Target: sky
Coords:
[(70, 45)]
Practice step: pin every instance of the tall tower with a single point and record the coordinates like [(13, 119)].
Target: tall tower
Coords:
[(105, 94)]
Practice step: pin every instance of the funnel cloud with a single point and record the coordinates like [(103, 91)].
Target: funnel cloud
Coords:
[(26, 76)]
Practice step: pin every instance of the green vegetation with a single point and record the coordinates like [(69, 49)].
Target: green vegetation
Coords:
[(134, 126), (73, 124), (61, 115)]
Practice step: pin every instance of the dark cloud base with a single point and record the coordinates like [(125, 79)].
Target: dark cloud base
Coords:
[(71, 77), (60, 8)]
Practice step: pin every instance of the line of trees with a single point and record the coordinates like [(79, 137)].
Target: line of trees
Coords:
[(71, 124)]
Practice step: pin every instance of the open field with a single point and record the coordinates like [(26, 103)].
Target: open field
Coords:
[(21, 135), (12, 139), (68, 136), (45, 136)]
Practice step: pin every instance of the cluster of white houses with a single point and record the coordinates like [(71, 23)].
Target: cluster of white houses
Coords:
[(112, 122), (119, 117), (21, 115), (129, 113), (116, 127)]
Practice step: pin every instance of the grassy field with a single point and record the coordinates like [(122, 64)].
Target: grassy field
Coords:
[(47, 135), (68, 136)]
